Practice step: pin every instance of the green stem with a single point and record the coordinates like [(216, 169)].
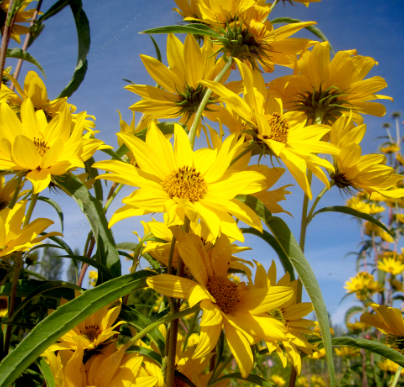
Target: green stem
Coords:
[(112, 197), (165, 319), (249, 148), (220, 369), (34, 199), (274, 5), (16, 192), (136, 253), (303, 224), (396, 377), (313, 207), (205, 99)]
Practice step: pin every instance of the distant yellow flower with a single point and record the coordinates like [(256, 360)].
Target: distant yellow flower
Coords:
[(284, 135), (347, 352), (278, 380), (397, 285), (317, 331), (390, 265), (3, 306), (400, 218), (290, 314), (180, 92), (306, 2), (94, 331), (22, 16), (388, 321), (302, 381), (92, 278), (331, 87), (240, 309), (354, 171), (188, 8), (364, 285), (393, 148), (318, 354), (400, 159), (179, 182), (357, 327), (14, 237), (317, 381), (373, 229), (110, 368), (362, 206)]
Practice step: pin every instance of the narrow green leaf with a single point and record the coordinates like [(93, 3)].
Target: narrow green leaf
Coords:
[(139, 321), (267, 237), (93, 210), (146, 352), (111, 153), (256, 379), (55, 206), (26, 287), (93, 173), (351, 211), (92, 262), (56, 8), (197, 29), (65, 318), (123, 149), (314, 30), (84, 41), (157, 48), (18, 53), (62, 244), (46, 372), (352, 311), (129, 246)]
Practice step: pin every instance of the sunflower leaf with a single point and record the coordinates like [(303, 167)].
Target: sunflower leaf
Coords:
[(107, 252), (196, 29), (351, 211), (26, 287), (145, 352), (65, 318), (55, 206), (46, 372), (257, 380), (352, 311), (92, 262), (157, 48), (17, 53)]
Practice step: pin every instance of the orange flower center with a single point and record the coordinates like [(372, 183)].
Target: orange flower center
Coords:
[(279, 128), (225, 293), (92, 332), (185, 183), (41, 146)]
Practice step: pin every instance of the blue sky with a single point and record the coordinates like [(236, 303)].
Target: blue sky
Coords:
[(373, 27)]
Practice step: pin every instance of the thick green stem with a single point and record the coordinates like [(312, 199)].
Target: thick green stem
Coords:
[(34, 199), (249, 148), (205, 99), (396, 377)]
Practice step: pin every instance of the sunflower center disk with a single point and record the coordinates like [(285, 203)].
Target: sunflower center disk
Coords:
[(41, 146), (278, 314), (279, 128), (92, 332), (185, 183), (225, 293)]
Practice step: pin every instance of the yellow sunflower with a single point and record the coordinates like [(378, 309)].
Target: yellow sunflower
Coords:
[(241, 310), (16, 237), (183, 183), (389, 366), (94, 331), (364, 285), (367, 173), (346, 351), (261, 115), (41, 149), (278, 380), (390, 265), (389, 149), (110, 368), (357, 327), (290, 314), (328, 88), (188, 8), (319, 354), (318, 381), (372, 229), (388, 321), (302, 381), (22, 16), (179, 92)]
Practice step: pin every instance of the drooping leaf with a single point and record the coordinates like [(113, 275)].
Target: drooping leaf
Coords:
[(157, 48), (27, 287), (357, 214), (139, 321), (129, 246), (18, 53), (55, 206), (267, 237), (352, 311), (107, 252), (196, 29), (64, 319), (313, 29), (93, 173), (92, 262), (83, 35), (146, 352), (256, 379)]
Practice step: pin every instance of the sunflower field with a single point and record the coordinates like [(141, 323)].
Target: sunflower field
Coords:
[(245, 109)]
